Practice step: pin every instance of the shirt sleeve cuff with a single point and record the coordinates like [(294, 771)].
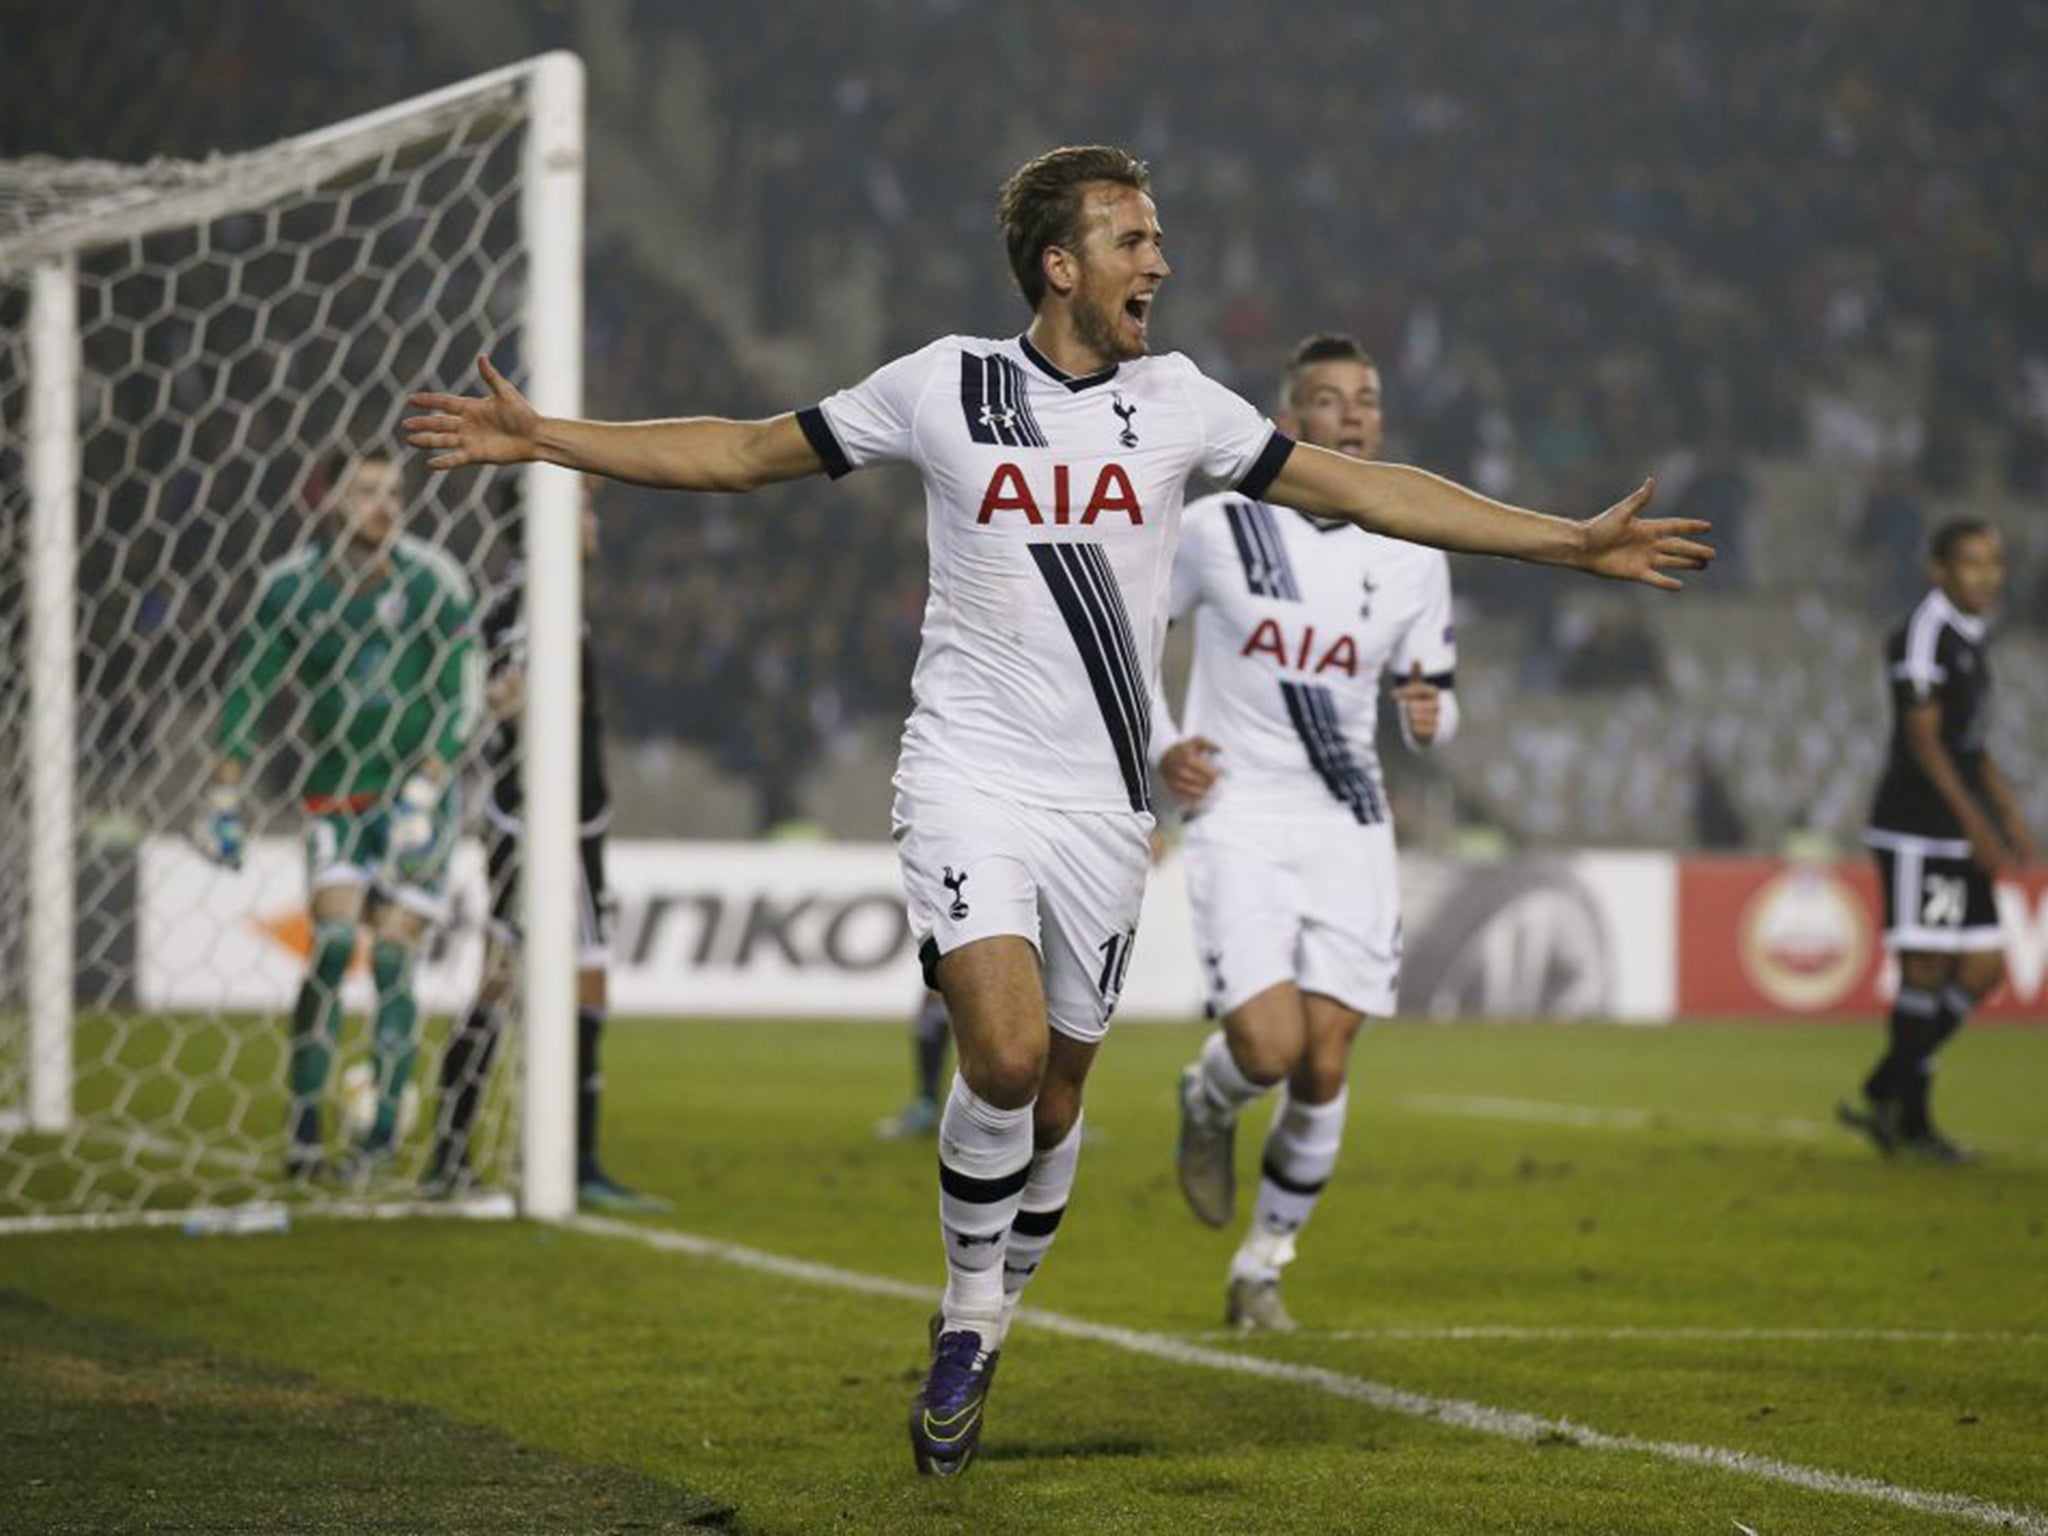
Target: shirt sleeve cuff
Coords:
[(818, 433), (1267, 466)]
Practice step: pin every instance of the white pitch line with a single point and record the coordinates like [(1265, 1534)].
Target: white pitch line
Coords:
[(1475, 1106), (218, 1220), (1457, 1412), (1505, 1333)]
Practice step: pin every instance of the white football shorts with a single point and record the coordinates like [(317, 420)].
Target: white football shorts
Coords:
[(1308, 900), (1069, 881)]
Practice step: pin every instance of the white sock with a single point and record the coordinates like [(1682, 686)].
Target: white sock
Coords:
[(984, 1161), (1301, 1154), (1039, 1210), (1224, 1086)]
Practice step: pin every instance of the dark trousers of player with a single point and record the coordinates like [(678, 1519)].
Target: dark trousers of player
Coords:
[(466, 1065), (466, 1071)]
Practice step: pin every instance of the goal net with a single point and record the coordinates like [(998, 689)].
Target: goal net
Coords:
[(194, 360)]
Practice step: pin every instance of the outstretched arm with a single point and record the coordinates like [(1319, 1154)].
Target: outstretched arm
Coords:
[(699, 453), (1413, 504)]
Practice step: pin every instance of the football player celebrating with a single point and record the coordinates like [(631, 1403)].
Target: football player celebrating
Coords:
[(1054, 466), (1290, 843)]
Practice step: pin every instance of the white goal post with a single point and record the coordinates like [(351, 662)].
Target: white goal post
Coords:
[(183, 345)]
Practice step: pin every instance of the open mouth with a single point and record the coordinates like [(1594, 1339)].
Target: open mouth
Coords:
[(1137, 310)]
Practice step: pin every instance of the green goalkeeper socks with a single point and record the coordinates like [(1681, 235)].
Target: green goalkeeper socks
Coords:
[(313, 1021), (393, 1039)]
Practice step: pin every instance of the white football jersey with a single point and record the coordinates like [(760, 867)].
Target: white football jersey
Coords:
[(1053, 505), (1295, 620)]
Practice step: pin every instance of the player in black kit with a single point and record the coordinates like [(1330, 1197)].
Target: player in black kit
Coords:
[(1945, 822), (465, 1069)]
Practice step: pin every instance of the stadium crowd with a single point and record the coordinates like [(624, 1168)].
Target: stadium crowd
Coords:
[(1696, 259)]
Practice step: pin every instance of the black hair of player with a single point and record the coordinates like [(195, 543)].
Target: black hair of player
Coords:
[(1949, 537), (1041, 204), (1322, 347)]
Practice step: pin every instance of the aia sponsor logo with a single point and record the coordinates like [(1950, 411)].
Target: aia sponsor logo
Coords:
[(1010, 491), (1306, 652)]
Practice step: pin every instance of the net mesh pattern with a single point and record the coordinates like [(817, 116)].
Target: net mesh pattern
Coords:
[(240, 323)]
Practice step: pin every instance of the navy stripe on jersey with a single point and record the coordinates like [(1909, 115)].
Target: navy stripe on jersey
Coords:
[(994, 398), (1085, 589), (1314, 713), (1267, 570)]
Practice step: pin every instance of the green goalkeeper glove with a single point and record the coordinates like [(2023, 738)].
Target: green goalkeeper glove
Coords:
[(418, 830), (219, 833)]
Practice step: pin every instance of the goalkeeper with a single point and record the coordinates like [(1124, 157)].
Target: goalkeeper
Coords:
[(362, 638)]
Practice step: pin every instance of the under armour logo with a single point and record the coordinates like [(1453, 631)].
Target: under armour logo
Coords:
[(971, 1240), (1365, 606), (1002, 416), (1127, 437), (953, 882), (1213, 959)]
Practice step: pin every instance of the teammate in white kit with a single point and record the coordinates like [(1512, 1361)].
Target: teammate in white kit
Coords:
[(1290, 843), (1054, 465)]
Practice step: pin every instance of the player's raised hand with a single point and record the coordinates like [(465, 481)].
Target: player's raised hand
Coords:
[(1625, 547), (1189, 768), (1420, 706), (497, 427)]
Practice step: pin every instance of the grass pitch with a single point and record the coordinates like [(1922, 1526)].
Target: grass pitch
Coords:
[(1650, 1235)]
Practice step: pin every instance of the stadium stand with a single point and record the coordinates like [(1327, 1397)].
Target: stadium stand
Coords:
[(1793, 262)]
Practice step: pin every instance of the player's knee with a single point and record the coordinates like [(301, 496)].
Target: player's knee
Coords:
[(1321, 1076), (1927, 972), (391, 965), (1007, 1073), (1980, 972), (1265, 1056), (1055, 1113), (500, 974), (334, 942)]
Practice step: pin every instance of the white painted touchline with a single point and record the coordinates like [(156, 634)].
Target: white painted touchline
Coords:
[(1501, 1422), (1475, 1106), (1507, 1333)]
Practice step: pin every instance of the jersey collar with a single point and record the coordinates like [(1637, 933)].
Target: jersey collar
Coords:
[(1059, 375), (1970, 626)]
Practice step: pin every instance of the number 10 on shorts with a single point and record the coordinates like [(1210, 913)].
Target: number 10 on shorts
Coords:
[(1116, 959)]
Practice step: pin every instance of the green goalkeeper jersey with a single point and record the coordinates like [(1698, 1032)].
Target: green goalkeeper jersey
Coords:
[(379, 672)]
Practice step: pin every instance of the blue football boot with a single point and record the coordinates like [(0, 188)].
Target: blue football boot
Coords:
[(946, 1418)]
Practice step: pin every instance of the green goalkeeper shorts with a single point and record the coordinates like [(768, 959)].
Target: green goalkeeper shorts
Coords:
[(348, 842)]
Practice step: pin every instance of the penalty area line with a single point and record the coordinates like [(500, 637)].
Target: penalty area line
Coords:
[(1502, 1423)]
